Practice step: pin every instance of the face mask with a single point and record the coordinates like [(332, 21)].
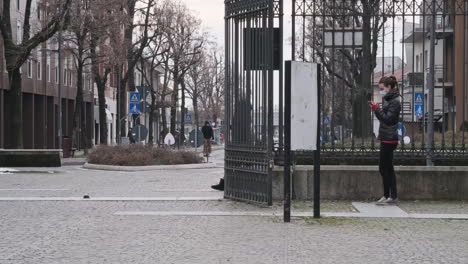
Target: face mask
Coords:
[(383, 93)]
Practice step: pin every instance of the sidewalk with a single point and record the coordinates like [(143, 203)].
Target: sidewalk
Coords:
[(175, 217)]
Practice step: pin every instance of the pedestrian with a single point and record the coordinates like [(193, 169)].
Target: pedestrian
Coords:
[(208, 135), (130, 136), (389, 116)]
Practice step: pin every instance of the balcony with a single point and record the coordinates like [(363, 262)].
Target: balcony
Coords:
[(444, 29), (442, 77)]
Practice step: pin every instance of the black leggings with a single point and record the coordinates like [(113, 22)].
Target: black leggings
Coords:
[(386, 169)]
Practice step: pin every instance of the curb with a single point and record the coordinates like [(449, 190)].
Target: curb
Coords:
[(73, 162), (149, 168)]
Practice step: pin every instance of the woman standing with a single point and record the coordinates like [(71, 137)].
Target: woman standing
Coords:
[(389, 116)]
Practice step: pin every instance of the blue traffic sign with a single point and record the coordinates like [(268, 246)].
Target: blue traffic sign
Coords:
[(401, 131), (418, 98), (134, 103), (134, 97), (134, 108), (418, 109), (188, 117), (419, 104)]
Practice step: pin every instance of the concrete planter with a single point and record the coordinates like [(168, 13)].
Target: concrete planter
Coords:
[(149, 168), (30, 157), (365, 182)]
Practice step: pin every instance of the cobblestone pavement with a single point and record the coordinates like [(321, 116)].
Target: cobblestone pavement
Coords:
[(56, 232), (79, 232)]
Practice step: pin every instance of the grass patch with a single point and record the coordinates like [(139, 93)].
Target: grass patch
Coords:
[(139, 155)]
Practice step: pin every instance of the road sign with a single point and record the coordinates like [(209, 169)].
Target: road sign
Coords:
[(134, 103), (418, 98), (419, 104), (134, 108), (188, 117), (418, 109), (134, 97), (401, 131)]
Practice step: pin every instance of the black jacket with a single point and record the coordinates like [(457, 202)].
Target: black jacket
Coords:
[(207, 132), (389, 116)]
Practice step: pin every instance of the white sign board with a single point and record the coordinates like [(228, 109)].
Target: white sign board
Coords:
[(169, 139), (304, 106)]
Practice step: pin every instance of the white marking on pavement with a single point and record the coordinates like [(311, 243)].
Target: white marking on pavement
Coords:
[(373, 210), (110, 199), (194, 213), (34, 190), (274, 214)]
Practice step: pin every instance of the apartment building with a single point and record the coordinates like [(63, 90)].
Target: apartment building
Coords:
[(40, 84), (451, 86)]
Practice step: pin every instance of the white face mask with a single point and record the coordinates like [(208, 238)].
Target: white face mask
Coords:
[(383, 93)]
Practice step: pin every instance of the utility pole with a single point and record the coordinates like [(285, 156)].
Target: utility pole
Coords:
[(430, 82), (60, 132)]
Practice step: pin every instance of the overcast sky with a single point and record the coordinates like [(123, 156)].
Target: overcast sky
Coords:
[(211, 12)]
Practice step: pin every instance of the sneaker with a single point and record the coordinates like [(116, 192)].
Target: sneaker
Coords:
[(220, 186), (392, 201), (382, 200)]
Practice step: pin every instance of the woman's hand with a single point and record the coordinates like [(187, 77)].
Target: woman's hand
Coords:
[(373, 106)]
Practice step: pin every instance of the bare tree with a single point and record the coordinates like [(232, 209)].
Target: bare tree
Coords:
[(156, 54), (212, 95), (105, 45), (18, 50), (197, 80), (186, 43), (349, 67), (139, 14)]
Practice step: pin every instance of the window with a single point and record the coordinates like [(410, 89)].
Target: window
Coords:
[(18, 32), (39, 70), (18, 4), (65, 76), (29, 69), (48, 72), (70, 78), (417, 63), (39, 13), (56, 75)]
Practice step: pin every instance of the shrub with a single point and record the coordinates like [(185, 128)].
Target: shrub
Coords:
[(465, 126), (139, 155)]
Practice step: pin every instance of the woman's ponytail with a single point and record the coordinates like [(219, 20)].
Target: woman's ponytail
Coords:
[(390, 81)]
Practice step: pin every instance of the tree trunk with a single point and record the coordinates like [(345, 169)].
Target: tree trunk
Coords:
[(175, 99), (195, 110), (16, 97), (163, 100), (152, 109), (78, 113), (122, 108), (361, 111), (102, 113), (182, 111)]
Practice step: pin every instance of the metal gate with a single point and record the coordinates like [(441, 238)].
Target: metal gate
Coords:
[(253, 35)]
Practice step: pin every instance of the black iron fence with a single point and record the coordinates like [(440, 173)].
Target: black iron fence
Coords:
[(358, 42)]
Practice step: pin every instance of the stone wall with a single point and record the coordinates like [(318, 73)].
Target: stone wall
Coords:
[(365, 182)]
